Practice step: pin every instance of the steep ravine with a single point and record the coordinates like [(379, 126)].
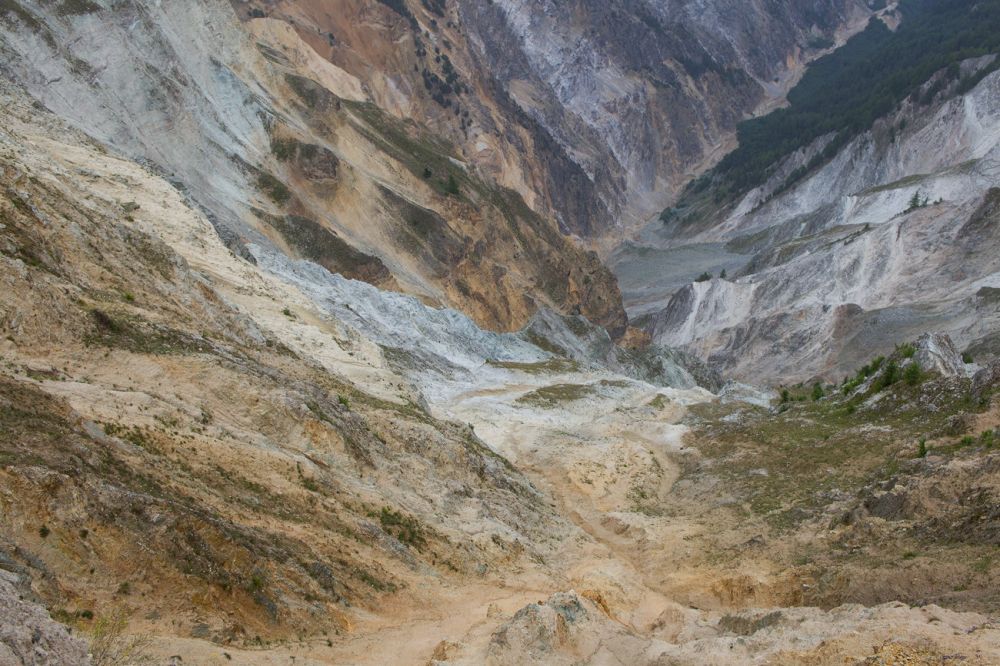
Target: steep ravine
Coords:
[(466, 153), (256, 461), (298, 364)]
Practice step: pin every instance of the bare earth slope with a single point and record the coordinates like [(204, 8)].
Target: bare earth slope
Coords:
[(256, 461)]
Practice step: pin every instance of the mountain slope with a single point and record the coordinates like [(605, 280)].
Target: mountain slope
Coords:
[(843, 266), (244, 452), (642, 94), (163, 435), (300, 361), (855, 240), (283, 148), (438, 149)]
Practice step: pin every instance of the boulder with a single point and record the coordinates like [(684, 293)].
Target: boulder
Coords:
[(28, 636), (986, 381), (936, 352)]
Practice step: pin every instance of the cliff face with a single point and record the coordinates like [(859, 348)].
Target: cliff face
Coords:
[(641, 94), (595, 112), (843, 265)]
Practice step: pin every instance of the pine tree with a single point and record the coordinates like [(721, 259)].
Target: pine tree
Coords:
[(451, 187)]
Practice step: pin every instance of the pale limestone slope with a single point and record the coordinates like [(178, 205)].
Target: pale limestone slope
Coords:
[(838, 270)]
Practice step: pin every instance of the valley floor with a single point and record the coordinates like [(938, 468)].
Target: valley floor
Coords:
[(675, 562)]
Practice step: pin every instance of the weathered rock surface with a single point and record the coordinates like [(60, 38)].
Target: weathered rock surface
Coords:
[(638, 95), (29, 637), (937, 353), (986, 380), (286, 149), (259, 460)]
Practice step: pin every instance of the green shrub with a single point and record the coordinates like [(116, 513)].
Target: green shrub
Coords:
[(704, 277), (967, 358), (922, 448), (110, 645), (906, 350), (451, 187), (817, 391), (44, 531), (875, 366), (283, 149), (405, 528), (916, 202), (913, 374), (889, 376), (274, 188), (785, 396)]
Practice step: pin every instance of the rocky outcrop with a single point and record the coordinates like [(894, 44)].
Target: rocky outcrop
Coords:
[(29, 637), (565, 629), (937, 353), (569, 628), (986, 380)]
